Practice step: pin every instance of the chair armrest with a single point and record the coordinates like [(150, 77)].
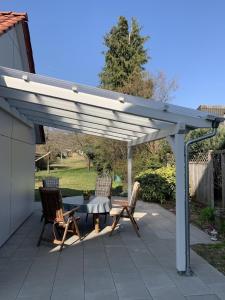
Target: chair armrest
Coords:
[(71, 212)]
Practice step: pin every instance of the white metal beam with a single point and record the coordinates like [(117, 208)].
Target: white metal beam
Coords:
[(63, 104), (74, 126), (160, 134), (180, 203), (138, 107), (129, 171), (69, 128), (41, 115), (104, 93), (29, 108), (4, 105)]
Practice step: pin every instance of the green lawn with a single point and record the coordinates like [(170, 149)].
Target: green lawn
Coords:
[(73, 175)]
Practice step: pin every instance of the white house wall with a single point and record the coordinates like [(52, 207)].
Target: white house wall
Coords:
[(16, 151), (16, 175)]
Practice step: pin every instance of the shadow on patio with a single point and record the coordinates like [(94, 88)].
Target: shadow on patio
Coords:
[(101, 267)]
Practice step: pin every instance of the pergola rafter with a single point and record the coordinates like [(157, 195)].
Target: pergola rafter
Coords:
[(46, 122), (81, 123)]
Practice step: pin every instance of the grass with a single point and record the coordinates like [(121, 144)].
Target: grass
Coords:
[(214, 254), (73, 174)]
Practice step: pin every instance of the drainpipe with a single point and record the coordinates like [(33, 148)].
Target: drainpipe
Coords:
[(187, 220)]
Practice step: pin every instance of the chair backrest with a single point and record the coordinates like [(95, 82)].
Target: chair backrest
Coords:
[(50, 182), (103, 186), (134, 196), (51, 200)]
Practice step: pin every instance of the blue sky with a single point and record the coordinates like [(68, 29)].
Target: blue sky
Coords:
[(187, 40)]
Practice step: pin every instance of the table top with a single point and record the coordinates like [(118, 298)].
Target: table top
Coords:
[(96, 204), (74, 200)]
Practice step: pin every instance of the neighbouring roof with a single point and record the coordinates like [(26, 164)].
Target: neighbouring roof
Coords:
[(215, 109), (9, 19)]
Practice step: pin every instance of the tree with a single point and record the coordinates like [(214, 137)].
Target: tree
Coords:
[(162, 87), (215, 143), (124, 71), (125, 59)]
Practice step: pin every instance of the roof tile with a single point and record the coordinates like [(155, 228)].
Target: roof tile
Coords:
[(8, 19)]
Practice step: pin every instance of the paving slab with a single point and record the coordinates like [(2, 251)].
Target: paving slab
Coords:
[(101, 267)]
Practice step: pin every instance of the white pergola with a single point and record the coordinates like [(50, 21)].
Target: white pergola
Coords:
[(36, 99)]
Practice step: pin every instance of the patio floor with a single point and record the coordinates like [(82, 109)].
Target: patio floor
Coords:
[(102, 267)]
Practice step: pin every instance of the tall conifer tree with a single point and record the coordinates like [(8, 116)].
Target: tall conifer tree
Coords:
[(124, 60)]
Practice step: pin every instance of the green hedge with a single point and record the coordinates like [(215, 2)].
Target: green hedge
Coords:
[(157, 185)]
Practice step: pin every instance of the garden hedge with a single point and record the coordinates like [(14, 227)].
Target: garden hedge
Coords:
[(157, 185)]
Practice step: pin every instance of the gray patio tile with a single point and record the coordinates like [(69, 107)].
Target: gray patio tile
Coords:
[(95, 258), (208, 274), (143, 259), (203, 297), (24, 254), (68, 290), (69, 280), (36, 289), (41, 297), (9, 291), (156, 278), (7, 250), (130, 286), (167, 293), (40, 278), (95, 241), (196, 259), (124, 266), (3, 262), (113, 241), (190, 285), (99, 284), (102, 295), (218, 289), (67, 269), (164, 234), (14, 272)]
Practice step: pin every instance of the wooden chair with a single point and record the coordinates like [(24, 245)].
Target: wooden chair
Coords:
[(50, 182), (53, 214), (125, 209), (103, 187)]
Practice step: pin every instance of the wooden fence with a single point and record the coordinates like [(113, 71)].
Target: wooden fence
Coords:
[(207, 179)]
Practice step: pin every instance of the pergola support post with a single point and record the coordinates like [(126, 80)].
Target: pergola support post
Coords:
[(129, 170), (181, 232)]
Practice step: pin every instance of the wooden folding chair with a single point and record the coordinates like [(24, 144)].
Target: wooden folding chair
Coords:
[(125, 209), (53, 214), (103, 188), (50, 182)]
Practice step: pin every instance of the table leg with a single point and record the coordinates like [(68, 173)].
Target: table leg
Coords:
[(97, 223)]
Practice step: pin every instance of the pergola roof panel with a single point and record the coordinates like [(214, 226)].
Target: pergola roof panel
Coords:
[(70, 106)]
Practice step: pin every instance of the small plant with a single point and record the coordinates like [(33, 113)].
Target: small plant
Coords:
[(87, 194), (207, 216)]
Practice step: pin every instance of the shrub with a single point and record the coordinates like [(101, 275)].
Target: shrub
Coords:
[(207, 215), (157, 185)]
